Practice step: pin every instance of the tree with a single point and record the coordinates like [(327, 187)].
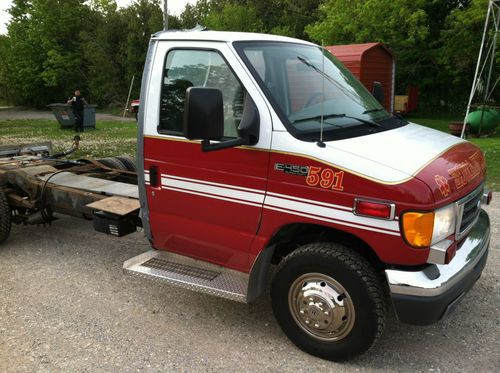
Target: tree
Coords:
[(143, 18), (400, 24), (235, 17), (193, 15), (4, 70), (434, 41), (44, 55), (461, 38), (290, 17), (103, 53)]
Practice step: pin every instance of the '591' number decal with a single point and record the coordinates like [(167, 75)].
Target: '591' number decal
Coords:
[(325, 178)]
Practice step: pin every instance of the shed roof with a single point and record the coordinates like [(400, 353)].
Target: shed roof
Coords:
[(353, 52)]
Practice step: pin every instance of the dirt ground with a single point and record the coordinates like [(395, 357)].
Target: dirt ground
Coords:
[(66, 306)]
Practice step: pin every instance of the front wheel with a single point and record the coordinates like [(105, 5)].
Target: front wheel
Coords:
[(329, 301)]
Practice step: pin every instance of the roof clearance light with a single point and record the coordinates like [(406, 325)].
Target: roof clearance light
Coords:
[(380, 210)]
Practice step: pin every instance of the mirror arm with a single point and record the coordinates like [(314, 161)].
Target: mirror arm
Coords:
[(206, 146)]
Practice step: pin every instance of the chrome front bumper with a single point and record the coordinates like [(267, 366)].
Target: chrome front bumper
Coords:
[(433, 290)]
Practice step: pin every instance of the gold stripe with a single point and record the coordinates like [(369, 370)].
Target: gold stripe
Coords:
[(363, 176), (171, 139), (165, 138)]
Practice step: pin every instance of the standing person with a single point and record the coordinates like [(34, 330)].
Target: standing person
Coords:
[(77, 104)]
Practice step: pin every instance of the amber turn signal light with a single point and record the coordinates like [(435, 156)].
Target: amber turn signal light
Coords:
[(418, 227)]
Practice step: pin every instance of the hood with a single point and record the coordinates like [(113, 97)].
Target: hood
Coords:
[(455, 173), (395, 156)]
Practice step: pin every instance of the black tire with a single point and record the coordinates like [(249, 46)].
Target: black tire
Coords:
[(301, 298), (113, 162), (128, 162), (5, 217)]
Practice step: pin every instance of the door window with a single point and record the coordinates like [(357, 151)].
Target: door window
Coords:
[(198, 68)]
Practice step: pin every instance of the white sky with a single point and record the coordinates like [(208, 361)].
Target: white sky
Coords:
[(174, 7)]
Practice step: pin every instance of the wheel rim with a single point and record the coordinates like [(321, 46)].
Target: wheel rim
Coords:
[(321, 307)]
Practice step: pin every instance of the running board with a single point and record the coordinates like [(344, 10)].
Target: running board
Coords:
[(189, 273)]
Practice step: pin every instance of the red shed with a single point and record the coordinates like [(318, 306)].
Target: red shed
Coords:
[(369, 62)]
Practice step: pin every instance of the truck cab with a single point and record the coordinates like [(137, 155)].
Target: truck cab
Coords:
[(261, 155)]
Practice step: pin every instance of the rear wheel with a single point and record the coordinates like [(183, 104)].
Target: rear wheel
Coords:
[(113, 162), (5, 217), (329, 301), (128, 162)]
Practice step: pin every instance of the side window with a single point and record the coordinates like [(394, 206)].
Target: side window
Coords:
[(198, 68)]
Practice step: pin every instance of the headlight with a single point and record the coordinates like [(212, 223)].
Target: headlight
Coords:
[(444, 223), (423, 229)]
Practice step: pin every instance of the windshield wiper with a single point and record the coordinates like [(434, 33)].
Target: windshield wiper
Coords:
[(373, 110), (401, 119), (327, 116)]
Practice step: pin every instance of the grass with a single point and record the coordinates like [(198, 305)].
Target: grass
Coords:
[(111, 138), (490, 145)]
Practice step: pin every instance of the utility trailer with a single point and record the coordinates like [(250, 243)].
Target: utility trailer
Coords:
[(35, 183)]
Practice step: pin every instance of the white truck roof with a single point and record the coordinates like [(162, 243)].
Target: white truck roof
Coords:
[(223, 36)]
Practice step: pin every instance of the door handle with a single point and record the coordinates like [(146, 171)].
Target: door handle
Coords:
[(153, 176)]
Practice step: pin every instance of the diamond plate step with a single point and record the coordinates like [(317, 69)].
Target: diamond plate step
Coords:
[(189, 273)]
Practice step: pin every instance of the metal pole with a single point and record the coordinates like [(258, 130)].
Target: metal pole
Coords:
[(492, 60), (476, 78), (165, 15), (128, 97)]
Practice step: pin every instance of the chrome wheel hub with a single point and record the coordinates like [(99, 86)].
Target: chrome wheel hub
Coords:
[(321, 307)]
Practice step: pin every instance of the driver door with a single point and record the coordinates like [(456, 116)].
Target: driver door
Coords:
[(206, 205)]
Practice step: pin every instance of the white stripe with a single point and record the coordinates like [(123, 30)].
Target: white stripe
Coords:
[(279, 202), (339, 207), (214, 190), (330, 213), (165, 176), (146, 178), (213, 196), (331, 221)]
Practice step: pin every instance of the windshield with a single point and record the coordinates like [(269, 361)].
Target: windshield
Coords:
[(308, 85)]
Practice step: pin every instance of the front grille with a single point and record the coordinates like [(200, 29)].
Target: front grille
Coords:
[(470, 207)]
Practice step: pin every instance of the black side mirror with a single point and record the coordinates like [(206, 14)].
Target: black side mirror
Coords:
[(203, 114), (204, 119), (378, 92)]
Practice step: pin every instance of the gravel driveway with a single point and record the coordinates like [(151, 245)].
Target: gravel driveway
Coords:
[(8, 113), (65, 306)]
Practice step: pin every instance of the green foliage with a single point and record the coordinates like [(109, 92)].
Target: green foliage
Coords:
[(461, 42), (53, 46), (235, 17), (435, 42), (43, 49), (283, 17), (403, 25)]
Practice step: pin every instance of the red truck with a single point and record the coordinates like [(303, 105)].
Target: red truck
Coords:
[(134, 108), (261, 159)]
